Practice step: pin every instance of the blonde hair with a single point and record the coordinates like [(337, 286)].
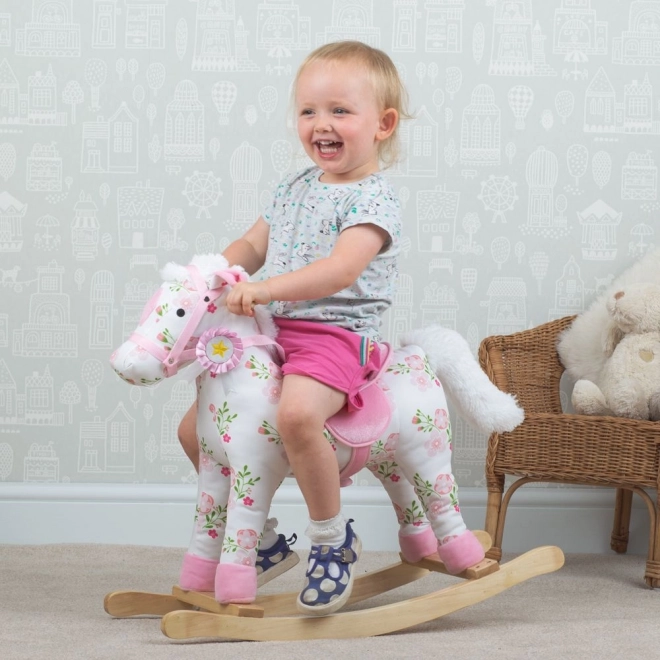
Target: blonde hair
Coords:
[(385, 81)]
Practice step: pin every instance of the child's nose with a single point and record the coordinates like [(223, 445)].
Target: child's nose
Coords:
[(323, 125)]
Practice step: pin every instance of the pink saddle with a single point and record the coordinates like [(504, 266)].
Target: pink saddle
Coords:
[(359, 429)]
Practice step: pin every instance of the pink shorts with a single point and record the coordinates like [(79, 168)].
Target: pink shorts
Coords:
[(337, 357)]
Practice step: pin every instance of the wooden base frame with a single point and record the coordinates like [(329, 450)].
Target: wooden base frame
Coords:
[(192, 614)]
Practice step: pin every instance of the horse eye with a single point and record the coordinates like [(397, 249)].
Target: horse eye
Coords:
[(206, 299), (180, 312)]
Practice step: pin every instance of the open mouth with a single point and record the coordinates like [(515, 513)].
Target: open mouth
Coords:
[(328, 147)]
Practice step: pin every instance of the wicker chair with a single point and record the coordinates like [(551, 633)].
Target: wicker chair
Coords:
[(552, 446)]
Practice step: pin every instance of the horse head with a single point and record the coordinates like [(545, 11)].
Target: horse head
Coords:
[(187, 319)]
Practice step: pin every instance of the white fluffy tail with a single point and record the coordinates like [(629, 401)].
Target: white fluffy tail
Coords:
[(476, 398)]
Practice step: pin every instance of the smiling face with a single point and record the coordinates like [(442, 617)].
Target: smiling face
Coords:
[(340, 123)]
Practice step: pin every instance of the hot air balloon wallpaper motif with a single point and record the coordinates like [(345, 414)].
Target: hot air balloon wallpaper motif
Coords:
[(223, 94), (520, 100)]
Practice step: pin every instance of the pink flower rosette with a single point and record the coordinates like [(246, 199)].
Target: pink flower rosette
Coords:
[(219, 350)]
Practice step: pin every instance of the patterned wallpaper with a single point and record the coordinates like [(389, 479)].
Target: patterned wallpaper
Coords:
[(137, 132)]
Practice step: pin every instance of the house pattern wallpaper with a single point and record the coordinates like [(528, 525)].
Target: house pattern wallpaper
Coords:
[(137, 132)]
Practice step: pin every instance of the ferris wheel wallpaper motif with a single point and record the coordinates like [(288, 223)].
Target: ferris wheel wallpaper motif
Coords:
[(202, 191), (498, 194)]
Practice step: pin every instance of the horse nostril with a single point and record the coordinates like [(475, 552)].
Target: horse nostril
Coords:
[(180, 312), (619, 294)]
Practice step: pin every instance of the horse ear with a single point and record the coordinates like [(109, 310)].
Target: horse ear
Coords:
[(241, 275), (232, 275)]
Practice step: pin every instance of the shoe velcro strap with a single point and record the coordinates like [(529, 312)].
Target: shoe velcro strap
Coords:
[(348, 556), (327, 552)]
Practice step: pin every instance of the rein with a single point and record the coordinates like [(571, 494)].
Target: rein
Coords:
[(179, 353)]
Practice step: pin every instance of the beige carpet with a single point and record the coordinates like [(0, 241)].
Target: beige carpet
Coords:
[(51, 607)]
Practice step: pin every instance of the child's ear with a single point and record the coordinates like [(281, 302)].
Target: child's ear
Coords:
[(388, 120)]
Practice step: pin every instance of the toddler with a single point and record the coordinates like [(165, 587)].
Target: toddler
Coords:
[(329, 245)]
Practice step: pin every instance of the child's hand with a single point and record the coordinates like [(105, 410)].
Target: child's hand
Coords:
[(245, 295)]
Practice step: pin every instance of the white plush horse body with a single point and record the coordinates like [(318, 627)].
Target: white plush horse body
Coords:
[(242, 460)]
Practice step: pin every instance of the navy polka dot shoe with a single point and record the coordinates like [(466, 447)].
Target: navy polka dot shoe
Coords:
[(330, 574), (276, 560)]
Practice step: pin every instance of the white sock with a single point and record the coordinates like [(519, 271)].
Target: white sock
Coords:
[(270, 536), (327, 532)]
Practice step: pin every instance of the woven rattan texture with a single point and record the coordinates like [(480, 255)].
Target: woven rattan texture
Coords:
[(558, 447)]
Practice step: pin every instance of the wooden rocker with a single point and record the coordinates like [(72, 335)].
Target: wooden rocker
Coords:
[(191, 614)]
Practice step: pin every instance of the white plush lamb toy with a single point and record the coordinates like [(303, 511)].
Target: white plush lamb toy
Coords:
[(629, 382)]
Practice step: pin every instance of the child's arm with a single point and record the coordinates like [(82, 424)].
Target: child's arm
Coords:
[(250, 249), (356, 247)]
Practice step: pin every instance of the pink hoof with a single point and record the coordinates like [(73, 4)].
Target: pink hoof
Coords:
[(235, 583), (461, 552), (415, 547), (197, 573)]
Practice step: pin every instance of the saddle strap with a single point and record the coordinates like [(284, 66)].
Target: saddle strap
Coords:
[(359, 429), (358, 459), (268, 342)]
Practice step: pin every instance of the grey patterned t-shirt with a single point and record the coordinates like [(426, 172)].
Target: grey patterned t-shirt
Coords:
[(306, 217)]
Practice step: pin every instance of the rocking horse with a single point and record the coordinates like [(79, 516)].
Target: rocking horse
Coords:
[(403, 436)]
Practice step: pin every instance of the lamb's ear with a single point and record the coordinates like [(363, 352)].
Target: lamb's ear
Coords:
[(612, 335), (232, 275)]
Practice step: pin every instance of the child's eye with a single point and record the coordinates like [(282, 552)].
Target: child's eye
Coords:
[(340, 111), (305, 112)]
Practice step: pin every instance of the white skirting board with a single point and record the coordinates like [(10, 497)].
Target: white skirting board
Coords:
[(575, 519)]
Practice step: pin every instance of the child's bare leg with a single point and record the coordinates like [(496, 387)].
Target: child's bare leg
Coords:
[(304, 407), (187, 433)]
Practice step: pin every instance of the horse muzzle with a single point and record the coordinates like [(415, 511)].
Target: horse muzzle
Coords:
[(136, 365)]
